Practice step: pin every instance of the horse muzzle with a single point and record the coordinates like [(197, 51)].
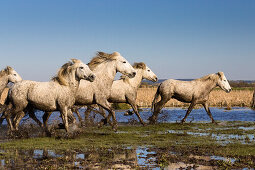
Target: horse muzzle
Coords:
[(132, 75), (91, 77), (228, 90), (155, 79)]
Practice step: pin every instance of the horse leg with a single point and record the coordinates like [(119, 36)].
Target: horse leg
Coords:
[(157, 107), (75, 109), (7, 115), (3, 110), (71, 117), (64, 115), (101, 112), (87, 113), (206, 106), (106, 106), (135, 109), (191, 106), (31, 113), (2, 118), (46, 117), (17, 119)]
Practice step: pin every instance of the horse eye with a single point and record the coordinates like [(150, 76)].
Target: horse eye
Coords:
[(124, 62), (81, 67), (15, 74), (148, 70), (225, 80)]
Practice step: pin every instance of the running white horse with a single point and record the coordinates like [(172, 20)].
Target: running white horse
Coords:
[(105, 66), (194, 92), (125, 89), (8, 75), (56, 95)]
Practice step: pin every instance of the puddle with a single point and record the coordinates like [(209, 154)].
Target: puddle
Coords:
[(114, 158), (221, 138), (246, 128), (145, 157), (231, 160)]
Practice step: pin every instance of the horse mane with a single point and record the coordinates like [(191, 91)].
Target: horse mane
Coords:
[(100, 58), (140, 65), (213, 77), (64, 71), (6, 71)]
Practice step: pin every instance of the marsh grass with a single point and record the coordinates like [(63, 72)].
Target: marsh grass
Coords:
[(157, 137), (218, 98)]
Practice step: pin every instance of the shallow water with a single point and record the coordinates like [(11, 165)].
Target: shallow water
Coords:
[(171, 115), (127, 158), (142, 156)]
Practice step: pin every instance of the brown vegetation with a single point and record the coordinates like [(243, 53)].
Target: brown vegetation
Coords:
[(218, 98), (253, 100)]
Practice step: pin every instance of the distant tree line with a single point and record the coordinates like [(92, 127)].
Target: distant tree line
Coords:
[(240, 84)]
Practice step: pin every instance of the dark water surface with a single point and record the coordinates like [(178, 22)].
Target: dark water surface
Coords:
[(173, 115)]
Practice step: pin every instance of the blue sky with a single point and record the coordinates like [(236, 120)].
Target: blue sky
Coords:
[(176, 38)]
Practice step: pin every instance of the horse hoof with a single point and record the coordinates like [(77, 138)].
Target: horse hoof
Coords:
[(115, 127), (61, 126), (100, 124), (215, 123)]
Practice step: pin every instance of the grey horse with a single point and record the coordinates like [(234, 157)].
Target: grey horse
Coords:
[(125, 89), (105, 66), (194, 92), (56, 95)]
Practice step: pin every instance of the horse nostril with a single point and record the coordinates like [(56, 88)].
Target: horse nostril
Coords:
[(156, 79), (92, 77), (134, 73)]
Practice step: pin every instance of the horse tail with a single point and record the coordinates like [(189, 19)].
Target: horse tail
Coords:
[(155, 98)]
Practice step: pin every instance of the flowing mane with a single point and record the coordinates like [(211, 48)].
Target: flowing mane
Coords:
[(64, 71), (100, 58), (5, 71), (213, 77), (140, 65)]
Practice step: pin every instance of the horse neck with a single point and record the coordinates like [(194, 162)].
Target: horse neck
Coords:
[(210, 85), (73, 83), (105, 73), (137, 80), (3, 83)]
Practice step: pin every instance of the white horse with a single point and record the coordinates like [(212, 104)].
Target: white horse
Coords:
[(56, 95), (125, 89), (8, 75), (194, 92), (105, 66)]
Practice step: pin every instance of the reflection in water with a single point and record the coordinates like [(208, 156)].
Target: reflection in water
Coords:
[(114, 158)]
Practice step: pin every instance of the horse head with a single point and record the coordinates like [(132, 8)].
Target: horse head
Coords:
[(13, 76), (223, 82), (82, 71), (123, 66)]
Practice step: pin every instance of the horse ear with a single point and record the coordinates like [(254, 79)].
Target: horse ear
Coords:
[(100, 53), (115, 53), (220, 74), (75, 60), (8, 69)]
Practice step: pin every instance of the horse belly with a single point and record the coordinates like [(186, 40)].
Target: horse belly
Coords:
[(43, 102), (183, 98)]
